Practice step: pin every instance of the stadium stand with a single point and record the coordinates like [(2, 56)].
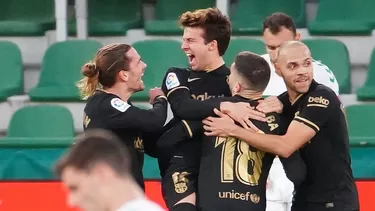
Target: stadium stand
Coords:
[(243, 44), (159, 55), (111, 17), (11, 82), (167, 13), (50, 69), (360, 124), (60, 70), (367, 91), (248, 15), (347, 20), (338, 62), (26, 18)]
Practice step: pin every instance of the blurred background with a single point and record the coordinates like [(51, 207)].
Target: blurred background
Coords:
[(44, 43)]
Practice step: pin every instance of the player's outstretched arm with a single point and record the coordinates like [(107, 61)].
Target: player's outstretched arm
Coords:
[(320, 105), (121, 115)]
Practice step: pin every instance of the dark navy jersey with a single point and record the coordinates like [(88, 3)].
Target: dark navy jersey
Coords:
[(107, 111), (329, 177)]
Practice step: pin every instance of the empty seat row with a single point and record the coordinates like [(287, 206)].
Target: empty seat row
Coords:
[(115, 17), (61, 64)]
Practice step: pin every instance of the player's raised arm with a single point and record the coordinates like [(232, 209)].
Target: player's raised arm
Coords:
[(120, 114)]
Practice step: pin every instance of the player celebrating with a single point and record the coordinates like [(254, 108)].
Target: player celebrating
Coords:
[(318, 127), (205, 39), (97, 172), (277, 29), (117, 69), (233, 174)]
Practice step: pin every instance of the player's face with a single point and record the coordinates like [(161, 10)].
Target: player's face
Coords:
[(273, 41), (233, 80), (195, 48), (295, 66), (83, 189), (136, 70)]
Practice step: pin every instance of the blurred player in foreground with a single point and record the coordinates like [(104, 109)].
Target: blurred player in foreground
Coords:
[(277, 29), (97, 173), (108, 83), (232, 174), (318, 129)]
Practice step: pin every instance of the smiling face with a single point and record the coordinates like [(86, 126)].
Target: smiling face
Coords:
[(294, 64), (196, 48), (133, 75)]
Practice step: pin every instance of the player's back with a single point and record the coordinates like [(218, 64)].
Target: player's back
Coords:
[(98, 112), (329, 175), (233, 174)]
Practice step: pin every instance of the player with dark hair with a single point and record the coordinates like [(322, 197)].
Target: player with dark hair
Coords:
[(98, 175), (110, 80), (233, 174), (206, 37), (317, 128), (277, 29)]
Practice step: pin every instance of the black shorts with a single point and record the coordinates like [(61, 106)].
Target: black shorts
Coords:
[(180, 178)]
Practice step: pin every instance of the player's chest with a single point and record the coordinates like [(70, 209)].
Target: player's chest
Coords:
[(205, 87)]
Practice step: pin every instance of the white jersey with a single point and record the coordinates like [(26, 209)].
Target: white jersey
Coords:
[(140, 205), (279, 188), (322, 75)]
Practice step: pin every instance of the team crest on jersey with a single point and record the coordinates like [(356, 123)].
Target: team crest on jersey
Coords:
[(172, 81), (138, 144), (120, 105), (254, 198), (180, 181)]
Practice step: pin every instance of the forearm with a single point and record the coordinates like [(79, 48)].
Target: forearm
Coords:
[(190, 109), (268, 143)]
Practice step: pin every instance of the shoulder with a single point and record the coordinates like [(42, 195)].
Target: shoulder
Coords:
[(322, 95), (141, 204), (113, 103), (175, 77)]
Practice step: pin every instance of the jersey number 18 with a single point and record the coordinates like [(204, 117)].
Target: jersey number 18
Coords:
[(238, 166)]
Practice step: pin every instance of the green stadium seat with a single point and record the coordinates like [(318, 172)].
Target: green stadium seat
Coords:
[(243, 44), (26, 18), (11, 80), (367, 91), (41, 121), (159, 55), (335, 55), (167, 13), (61, 69), (347, 18), (360, 119), (111, 17), (363, 164), (248, 16)]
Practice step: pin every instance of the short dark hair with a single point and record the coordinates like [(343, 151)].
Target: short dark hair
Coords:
[(278, 20), (96, 146), (254, 69), (215, 25)]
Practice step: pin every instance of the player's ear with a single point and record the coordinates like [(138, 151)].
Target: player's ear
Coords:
[(212, 45), (277, 69), (298, 36), (123, 75)]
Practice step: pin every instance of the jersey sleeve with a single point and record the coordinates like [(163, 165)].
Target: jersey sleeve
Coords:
[(318, 109), (183, 106), (325, 76), (295, 168), (119, 114)]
